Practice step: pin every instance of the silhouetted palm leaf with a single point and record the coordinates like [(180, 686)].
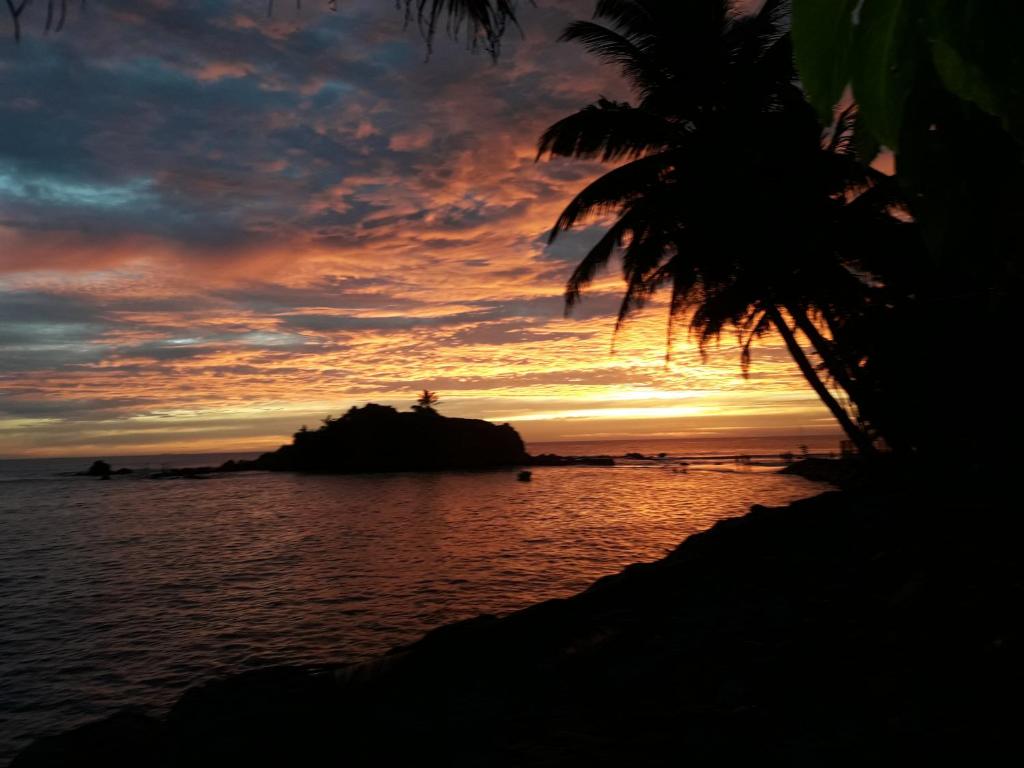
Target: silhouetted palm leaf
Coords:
[(614, 190), (481, 22), (636, 20), (637, 67), (608, 130)]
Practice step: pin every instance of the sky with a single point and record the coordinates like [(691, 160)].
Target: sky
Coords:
[(216, 227)]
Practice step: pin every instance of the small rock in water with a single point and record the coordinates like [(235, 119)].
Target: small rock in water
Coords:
[(100, 468)]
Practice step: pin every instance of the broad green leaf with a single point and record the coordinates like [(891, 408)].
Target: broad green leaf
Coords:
[(963, 78), (977, 54), (888, 45), (822, 38)]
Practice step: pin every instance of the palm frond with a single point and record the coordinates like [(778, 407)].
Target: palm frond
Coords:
[(840, 139), (597, 258), (633, 19), (640, 263), (483, 23), (616, 48), (613, 190), (608, 130), (56, 14), (753, 327)]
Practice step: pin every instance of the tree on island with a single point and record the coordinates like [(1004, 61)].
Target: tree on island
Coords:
[(426, 402)]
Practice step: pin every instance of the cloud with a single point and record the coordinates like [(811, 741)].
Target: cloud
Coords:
[(210, 219)]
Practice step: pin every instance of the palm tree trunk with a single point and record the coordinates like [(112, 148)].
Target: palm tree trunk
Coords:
[(861, 440), (840, 372), (836, 367)]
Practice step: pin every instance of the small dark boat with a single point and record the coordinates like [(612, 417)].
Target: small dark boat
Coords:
[(525, 476)]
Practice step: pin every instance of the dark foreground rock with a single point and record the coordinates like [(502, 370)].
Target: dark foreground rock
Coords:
[(842, 630)]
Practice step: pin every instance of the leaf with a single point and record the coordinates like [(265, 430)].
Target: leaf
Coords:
[(888, 46), (962, 78), (978, 57), (608, 130), (823, 37)]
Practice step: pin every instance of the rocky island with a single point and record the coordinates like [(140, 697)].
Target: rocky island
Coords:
[(379, 438)]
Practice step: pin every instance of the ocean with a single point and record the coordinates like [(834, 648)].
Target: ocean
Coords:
[(127, 592)]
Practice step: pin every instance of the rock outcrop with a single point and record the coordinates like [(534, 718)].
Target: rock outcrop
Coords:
[(102, 470)]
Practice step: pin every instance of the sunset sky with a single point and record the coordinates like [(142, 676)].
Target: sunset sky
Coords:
[(215, 227)]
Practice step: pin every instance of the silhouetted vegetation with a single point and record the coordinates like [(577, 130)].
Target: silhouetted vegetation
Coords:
[(56, 14), (757, 218), (427, 401), (734, 198), (939, 84)]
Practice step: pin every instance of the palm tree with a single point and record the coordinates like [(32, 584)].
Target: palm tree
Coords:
[(728, 194), (426, 401)]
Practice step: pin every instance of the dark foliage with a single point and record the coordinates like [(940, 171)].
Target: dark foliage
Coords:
[(734, 199)]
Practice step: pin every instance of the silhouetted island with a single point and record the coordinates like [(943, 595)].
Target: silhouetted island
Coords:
[(379, 438)]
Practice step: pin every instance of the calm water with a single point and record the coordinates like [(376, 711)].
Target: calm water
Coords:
[(126, 592)]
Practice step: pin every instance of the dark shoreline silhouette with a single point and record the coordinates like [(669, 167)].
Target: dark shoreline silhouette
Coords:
[(853, 628)]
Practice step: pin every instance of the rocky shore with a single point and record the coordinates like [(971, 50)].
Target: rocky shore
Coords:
[(847, 629)]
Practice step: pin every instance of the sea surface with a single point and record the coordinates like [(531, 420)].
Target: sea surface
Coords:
[(127, 592)]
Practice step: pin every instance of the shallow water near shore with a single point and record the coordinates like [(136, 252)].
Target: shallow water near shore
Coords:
[(129, 591)]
